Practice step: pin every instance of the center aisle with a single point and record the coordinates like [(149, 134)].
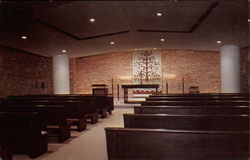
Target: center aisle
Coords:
[(87, 145)]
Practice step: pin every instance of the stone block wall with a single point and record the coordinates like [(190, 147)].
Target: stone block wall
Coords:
[(24, 73)]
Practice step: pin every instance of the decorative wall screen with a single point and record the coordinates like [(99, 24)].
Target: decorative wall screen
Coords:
[(147, 68)]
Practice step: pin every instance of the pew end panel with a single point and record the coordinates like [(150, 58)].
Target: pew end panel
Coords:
[(22, 131), (5, 153)]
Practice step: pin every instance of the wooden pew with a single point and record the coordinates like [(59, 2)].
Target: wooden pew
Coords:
[(104, 103), (203, 95), (101, 99), (53, 118), (188, 122), (161, 144), (22, 133), (5, 153), (74, 111), (207, 110), (195, 98), (196, 103)]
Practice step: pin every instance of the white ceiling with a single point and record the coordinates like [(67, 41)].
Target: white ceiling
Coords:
[(54, 26)]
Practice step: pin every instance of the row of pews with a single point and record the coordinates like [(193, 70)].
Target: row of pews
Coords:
[(27, 121), (183, 127)]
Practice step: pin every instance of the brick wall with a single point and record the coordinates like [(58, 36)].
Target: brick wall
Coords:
[(244, 60), (24, 73), (198, 68), (100, 69)]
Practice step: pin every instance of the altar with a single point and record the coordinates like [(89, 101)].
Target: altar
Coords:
[(131, 86)]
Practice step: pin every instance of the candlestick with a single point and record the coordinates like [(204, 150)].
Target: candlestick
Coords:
[(112, 86), (166, 87)]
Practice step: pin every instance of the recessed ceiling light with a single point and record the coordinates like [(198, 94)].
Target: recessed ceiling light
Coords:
[(92, 20), (162, 40), (112, 42), (154, 48), (218, 41), (159, 14), (64, 51), (248, 20), (24, 37)]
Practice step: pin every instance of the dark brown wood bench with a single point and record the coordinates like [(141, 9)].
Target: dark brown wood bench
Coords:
[(161, 144), (74, 111), (104, 103), (196, 103), (5, 153), (203, 95), (22, 133), (188, 122), (195, 98), (53, 118), (101, 99), (209, 110)]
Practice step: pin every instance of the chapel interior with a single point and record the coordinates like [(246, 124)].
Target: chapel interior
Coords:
[(124, 80)]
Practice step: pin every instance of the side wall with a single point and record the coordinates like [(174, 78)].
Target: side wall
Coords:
[(24, 73)]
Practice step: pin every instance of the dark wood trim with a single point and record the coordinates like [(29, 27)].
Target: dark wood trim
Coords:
[(205, 14), (104, 35), (76, 37), (162, 31), (23, 51), (201, 19), (57, 29)]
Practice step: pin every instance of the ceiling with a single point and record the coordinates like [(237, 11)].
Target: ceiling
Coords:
[(54, 26)]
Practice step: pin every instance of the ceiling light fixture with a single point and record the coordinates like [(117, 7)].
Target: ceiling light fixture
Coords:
[(112, 43), (248, 20), (92, 20), (218, 41), (154, 48), (64, 51), (162, 40), (159, 14), (24, 37)]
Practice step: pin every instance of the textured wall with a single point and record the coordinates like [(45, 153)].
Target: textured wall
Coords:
[(100, 69), (198, 68), (24, 73), (244, 59)]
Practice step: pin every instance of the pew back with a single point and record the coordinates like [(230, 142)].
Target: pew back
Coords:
[(160, 144), (196, 103), (200, 110), (188, 122)]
